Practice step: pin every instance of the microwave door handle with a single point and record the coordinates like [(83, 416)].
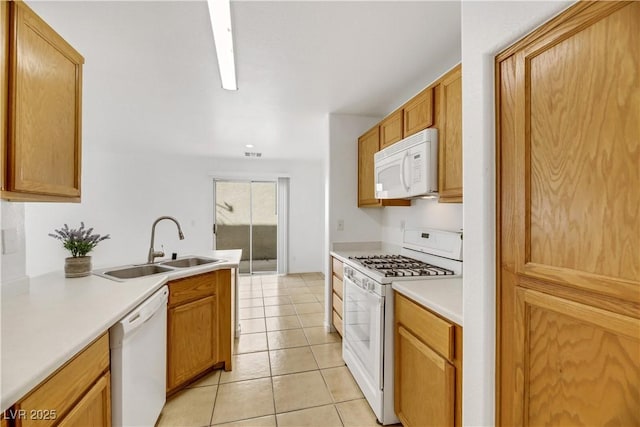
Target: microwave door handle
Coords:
[(402, 171)]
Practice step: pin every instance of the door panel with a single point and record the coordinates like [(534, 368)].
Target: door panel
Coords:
[(569, 220), (264, 226), (579, 363), (246, 218), (580, 219)]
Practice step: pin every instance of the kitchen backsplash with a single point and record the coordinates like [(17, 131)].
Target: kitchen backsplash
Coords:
[(422, 213)]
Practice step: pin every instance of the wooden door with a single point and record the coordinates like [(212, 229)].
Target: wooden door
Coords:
[(391, 129), (45, 97), (569, 220), (368, 145), (192, 340), (94, 409), (450, 138), (418, 112), (424, 383), (4, 85)]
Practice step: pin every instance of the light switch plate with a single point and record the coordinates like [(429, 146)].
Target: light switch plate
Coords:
[(9, 241), (341, 225)]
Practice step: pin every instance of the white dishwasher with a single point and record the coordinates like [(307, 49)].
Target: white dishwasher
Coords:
[(139, 363)]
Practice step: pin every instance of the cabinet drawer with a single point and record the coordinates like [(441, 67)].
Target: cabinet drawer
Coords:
[(337, 322), (60, 391), (431, 329), (337, 267), (192, 288), (337, 304), (337, 286)]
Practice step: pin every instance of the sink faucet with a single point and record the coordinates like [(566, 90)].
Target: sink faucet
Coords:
[(152, 252)]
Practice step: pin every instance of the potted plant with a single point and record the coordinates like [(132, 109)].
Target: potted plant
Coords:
[(79, 242)]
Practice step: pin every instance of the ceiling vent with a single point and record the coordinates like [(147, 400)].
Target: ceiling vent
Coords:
[(252, 154)]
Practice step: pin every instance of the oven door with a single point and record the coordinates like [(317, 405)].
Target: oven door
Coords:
[(363, 332)]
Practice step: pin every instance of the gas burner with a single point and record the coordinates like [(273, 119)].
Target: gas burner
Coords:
[(400, 266)]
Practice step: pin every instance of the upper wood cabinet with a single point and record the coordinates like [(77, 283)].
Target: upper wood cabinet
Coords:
[(418, 112), (42, 85), (391, 129), (368, 145), (568, 232), (450, 136), (439, 106)]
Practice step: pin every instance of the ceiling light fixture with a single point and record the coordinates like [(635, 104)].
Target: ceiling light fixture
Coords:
[(249, 145), (220, 14)]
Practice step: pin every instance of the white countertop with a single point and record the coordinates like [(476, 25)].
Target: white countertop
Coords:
[(48, 321), (443, 296)]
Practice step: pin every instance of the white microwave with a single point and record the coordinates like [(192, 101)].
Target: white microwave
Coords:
[(408, 168)]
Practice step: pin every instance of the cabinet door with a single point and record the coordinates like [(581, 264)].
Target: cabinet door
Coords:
[(424, 383), (45, 98), (418, 113), (94, 409), (450, 138), (391, 129), (569, 222), (579, 365), (368, 145), (192, 340)]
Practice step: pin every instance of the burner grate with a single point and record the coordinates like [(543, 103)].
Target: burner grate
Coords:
[(400, 266)]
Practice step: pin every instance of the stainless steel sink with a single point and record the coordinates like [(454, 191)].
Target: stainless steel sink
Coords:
[(189, 262), (135, 271)]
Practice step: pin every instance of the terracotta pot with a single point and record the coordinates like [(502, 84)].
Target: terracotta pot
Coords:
[(77, 266)]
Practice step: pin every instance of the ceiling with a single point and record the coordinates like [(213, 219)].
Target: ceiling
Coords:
[(151, 79)]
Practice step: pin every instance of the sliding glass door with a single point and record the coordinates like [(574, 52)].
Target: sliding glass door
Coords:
[(246, 217)]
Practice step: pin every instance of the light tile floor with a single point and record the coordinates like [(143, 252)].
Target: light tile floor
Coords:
[(287, 371)]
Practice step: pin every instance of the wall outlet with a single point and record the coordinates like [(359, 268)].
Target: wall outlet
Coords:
[(341, 225), (9, 241)]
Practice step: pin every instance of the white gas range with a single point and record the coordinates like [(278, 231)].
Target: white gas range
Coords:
[(367, 345)]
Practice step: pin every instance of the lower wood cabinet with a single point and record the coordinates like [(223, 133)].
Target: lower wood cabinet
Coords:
[(199, 326), (94, 409), (428, 367), (336, 294), (78, 394)]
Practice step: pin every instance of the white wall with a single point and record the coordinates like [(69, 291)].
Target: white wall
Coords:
[(487, 28), (123, 193), (12, 220), (421, 213), (360, 224)]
